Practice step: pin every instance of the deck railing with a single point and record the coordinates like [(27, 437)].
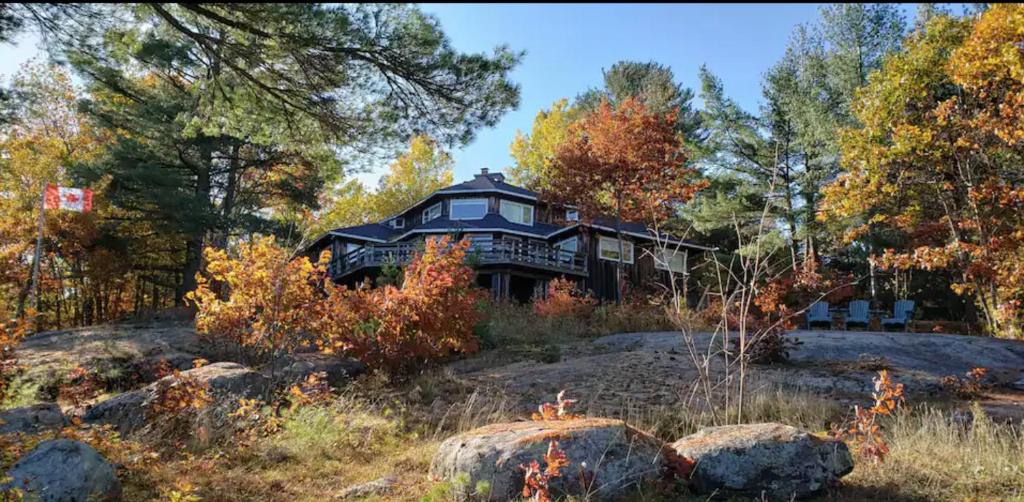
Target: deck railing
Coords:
[(511, 252)]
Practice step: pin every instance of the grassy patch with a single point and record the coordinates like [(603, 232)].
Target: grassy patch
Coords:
[(934, 459)]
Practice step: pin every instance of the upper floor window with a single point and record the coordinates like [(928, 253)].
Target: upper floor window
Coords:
[(516, 212), (432, 212), (669, 259), (608, 249), (570, 244), (398, 223), (468, 209), (481, 242), (572, 215)]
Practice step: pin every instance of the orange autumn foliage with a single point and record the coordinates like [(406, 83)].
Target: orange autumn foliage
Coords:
[(623, 161), (936, 160), (536, 481), (274, 304), (11, 334), (557, 411), (865, 432), (563, 299), (430, 316)]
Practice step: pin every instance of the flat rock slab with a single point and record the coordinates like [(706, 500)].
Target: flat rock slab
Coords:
[(32, 419), (607, 457), (934, 353), (62, 470), (769, 460), (228, 382)]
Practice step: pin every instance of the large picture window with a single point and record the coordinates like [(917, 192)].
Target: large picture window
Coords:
[(608, 249), (517, 213), (570, 244), (432, 212), (671, 259), (468, 209)]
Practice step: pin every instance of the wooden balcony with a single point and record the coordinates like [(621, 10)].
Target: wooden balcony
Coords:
[(501, 252)]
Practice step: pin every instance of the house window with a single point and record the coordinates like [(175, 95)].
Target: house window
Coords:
[(432, 212), (481, 242), (572, 215), (468, 209), (398, 223), (608, 249), (570, 244), (517, 213), (671, 259)]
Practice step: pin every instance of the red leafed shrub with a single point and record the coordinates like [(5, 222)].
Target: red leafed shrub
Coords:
[(179, 393), (274, 305), (557, 411), (536, 481), (865, 432), (79, 386), (563, 299), (430, 316), (966, 388)]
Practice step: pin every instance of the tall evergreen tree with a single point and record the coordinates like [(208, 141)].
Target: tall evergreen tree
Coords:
[(225, 116), (653, 85)]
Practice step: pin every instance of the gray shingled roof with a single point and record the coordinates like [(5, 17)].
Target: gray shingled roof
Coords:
[(368, 231), (490, 182), (494, 221)]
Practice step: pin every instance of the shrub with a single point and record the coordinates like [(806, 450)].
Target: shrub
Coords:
[(969, 387), (11, 334), (78, 387), (262, 302), (269, 305), (865, 432), (563, 299), (432, 315), (536, 481)]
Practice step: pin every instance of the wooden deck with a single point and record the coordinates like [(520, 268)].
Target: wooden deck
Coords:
[(501, 252)]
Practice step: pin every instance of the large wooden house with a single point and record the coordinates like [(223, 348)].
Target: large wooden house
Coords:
[(518, 242)]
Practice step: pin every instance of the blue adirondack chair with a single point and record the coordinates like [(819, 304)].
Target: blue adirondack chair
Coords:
[(901, 313), (857, 314), (818, 314)]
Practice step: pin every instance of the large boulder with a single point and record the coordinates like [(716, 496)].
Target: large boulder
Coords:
[(607, 457), (770, 460), (62, 470), (228, 383), (32, 419)]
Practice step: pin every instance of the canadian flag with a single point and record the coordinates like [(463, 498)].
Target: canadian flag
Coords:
[(74, 199)]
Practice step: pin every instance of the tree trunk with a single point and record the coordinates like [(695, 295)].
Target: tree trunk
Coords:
[(620, 263), (195, 242)]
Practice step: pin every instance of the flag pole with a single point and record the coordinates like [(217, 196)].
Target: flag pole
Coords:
[(39, 251)]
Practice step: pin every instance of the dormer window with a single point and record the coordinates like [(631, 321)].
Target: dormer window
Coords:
[(572, 215), (468, 209), (516, 212), (432, 212)]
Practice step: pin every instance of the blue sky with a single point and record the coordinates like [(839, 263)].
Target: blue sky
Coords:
[(567, 45)]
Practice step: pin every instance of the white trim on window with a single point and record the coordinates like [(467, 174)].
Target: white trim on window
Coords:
[(432, 212), (398, 222), (516, 212), (673, 260), (466, 203), (570, 244), (481, 242), (608, 249), (572, 215)]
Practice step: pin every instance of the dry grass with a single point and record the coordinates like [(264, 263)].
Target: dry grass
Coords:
[(322, 449), (511, 324), (934, 459)]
